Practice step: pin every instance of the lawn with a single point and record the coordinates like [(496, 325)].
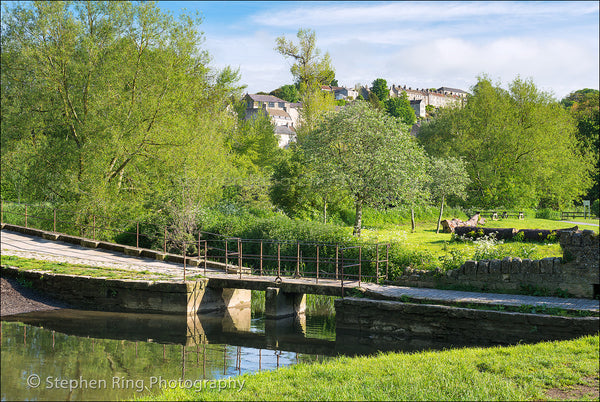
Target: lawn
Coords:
[(425, 237), (543, 371)]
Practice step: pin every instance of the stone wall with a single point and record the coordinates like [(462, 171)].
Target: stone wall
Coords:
[(576, 273), (139, 296), (455, 325)]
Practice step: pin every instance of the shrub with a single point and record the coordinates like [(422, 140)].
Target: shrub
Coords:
[(547, 213), (594, 208)]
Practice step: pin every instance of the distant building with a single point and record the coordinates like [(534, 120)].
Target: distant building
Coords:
[(283, 114), (341, 92)]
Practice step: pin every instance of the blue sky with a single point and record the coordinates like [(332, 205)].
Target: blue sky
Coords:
[(417, 44)]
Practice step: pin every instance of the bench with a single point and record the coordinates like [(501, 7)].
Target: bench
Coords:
[(495, 215)]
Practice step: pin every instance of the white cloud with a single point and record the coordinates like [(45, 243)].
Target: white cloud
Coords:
[(423, 44), (318, 14)]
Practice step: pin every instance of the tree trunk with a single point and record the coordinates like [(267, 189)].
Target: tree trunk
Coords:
[(412, 220), (440, 217), (325, 211), (358, 218)]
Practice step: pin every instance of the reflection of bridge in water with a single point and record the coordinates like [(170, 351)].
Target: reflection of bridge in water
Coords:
[(231, 327)]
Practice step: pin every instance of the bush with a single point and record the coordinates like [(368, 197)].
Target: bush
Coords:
[(547, 213), (594, 208)]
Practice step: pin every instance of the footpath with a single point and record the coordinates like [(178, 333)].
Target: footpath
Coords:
[(28, 246)]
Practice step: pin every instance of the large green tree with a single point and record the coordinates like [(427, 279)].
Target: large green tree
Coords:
[(400, 107), (380, 88), (287, 92), (368, 154), (111, 106), (584, 107), (519, 146), (310, 70)]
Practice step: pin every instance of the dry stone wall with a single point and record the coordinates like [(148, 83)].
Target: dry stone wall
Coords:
[(576, 273)]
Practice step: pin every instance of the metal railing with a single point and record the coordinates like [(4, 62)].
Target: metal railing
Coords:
[(255, 257)]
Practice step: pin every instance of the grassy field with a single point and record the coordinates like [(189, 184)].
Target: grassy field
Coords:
[(545, 371), (425, 237)]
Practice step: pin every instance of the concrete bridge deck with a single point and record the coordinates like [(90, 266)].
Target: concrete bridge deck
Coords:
[(29, 246)]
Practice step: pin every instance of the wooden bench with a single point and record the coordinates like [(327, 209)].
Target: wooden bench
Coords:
[(495, 215)]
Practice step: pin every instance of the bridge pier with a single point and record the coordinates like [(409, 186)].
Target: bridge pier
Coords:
[(280, 304), (214, 299)]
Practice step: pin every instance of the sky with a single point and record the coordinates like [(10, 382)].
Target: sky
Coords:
[(417, 44)]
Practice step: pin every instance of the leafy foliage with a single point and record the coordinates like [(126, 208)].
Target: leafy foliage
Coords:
[(584, 107), (400, 107), (287, 92), (380, 88), (111, 107), (368, 154), (519, 146)]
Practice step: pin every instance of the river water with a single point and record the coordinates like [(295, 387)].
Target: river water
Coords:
[(90, 355)]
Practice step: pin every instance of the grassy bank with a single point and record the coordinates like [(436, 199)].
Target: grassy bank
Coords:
[(544, 371), (78, 269)]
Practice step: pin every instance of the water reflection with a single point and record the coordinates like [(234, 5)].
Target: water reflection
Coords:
[(116, 352), (94, 355)]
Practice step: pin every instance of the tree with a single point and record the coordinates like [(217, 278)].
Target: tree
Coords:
[(518, 144), (583, 105), (400, 107), (375, 102), (310, 70), (449, 177), (380, 88), (111, 107), (287, 92), (368, 154)]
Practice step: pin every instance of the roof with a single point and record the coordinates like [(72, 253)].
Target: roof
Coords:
[(284, 130), (447, 89), (278, 112), (264, 98)]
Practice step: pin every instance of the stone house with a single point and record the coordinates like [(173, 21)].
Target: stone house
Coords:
[(341, 92), (283, 114)]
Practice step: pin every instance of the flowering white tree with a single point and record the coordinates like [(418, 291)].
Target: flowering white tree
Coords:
[(369, 154)]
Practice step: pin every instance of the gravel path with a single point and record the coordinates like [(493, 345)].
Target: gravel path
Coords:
[(17, 299)]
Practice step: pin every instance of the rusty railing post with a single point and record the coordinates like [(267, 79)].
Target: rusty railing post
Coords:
[(240, 256), (298, 261), (377, 264), (317, 281), (279, 260), (137, 235), (184, 264), (261, 258), (226, 255), (359, 264), (342, 274), (205, 255), (387, 261), (337, 249)]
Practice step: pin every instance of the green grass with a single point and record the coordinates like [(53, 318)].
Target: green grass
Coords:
[(28, 264), (521, 372), (424, 239)]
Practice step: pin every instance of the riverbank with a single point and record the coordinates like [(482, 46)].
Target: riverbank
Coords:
[(566, 370), (19, 299)]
